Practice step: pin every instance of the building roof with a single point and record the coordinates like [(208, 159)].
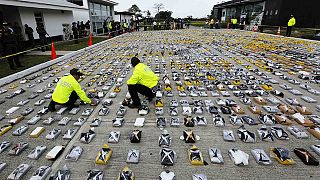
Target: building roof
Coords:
[(124, 13), (235, 3), (105, 2), (43, 4)]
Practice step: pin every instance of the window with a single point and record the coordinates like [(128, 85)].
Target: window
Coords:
[(276, 13), (104, 11), (77, 2), (39, 18), (108, 11), (271, 13)]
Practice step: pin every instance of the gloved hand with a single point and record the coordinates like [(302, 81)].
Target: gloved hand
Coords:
[(93, 102)]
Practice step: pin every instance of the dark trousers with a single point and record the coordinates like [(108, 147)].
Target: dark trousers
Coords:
[(31, 42), (70, 104), (289, 29), (138, 88), (43, 42), (12, 49)]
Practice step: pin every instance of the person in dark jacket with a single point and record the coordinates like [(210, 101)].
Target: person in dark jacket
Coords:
[(82, 29), (10, 46), (75, 32), (42, 36), (17, 31), (29, 32)]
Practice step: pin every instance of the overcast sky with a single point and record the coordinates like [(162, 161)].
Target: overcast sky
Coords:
[(180, 8)]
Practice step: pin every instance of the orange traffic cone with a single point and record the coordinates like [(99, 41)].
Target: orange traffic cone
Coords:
[(53, 51), (90, 40), (279, 31)]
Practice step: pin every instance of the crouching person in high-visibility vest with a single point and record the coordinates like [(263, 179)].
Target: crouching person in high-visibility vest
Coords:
[(67, 92), (142, 81)]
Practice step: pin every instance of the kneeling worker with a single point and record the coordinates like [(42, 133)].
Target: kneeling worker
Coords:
[(68, 90), (142, 81)]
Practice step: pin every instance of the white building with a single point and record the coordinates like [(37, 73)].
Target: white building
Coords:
[(53, 14), (56, 15), (99, 11), (123, 17)]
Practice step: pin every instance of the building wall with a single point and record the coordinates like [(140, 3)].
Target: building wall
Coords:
[(53, 19), (10, 14), (305, 12), (81, 15)]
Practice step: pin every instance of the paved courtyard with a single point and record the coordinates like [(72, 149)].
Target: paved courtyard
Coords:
[(215, 58)]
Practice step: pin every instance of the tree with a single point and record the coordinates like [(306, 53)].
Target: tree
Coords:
[(164, 15), (158, 7), (148, 13), (134, 9)]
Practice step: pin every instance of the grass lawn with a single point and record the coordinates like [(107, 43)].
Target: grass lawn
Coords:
[(30, 61), (299, 33), (27, 61), (71, 46), (198, 23)]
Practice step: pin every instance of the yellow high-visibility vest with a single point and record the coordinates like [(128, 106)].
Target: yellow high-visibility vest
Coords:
[(292, 21), (143, 75), (65, 87)]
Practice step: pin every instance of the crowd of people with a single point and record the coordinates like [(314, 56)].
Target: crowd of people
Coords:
[(12, 40), (11, 43), (234, 24), (80, 30)]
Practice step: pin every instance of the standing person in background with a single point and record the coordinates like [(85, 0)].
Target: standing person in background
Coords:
[(234, 22), (1, 40), (113, 28), (75, 32), (132, 28), (110, 27), (81, 29), (105, 26), (10, 46), (291, 23), (29, 32), (125, 26), (217, 24), (188, 24), (87, 28), (78, 27), (42, 36), (17, 31), (211, 23), (137, 26), (154, 25)]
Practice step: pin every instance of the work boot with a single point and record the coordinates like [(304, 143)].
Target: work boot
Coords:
[(151, 98), (70, 107)]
